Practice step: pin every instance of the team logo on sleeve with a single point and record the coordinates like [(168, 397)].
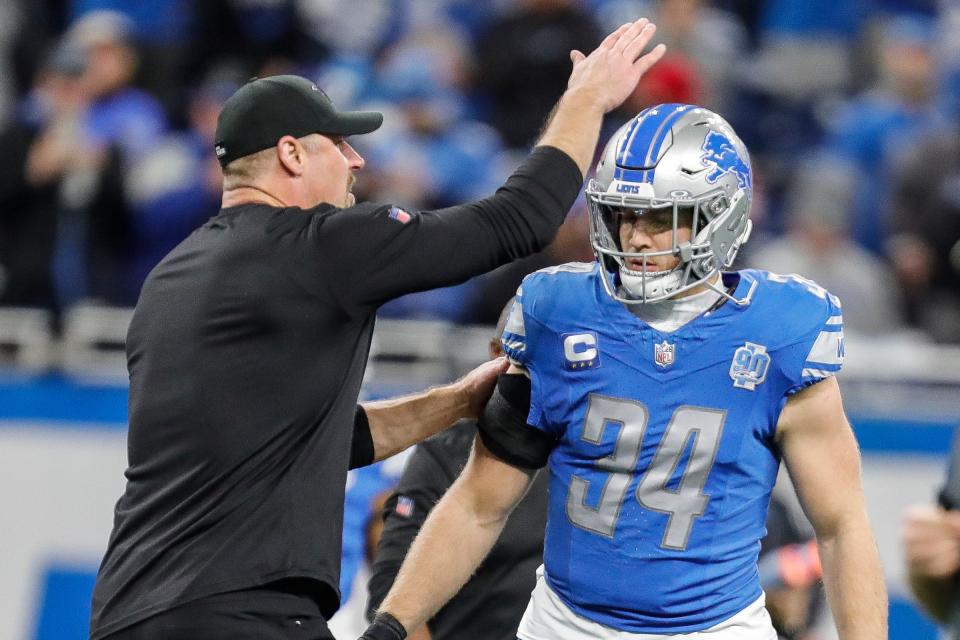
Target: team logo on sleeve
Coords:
[(580, 351), (749, 366), (664, 353)]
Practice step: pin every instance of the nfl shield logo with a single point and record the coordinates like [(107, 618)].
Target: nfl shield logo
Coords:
[(663, 353)]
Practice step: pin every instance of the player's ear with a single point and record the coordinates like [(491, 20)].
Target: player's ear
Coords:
[(291, 154)]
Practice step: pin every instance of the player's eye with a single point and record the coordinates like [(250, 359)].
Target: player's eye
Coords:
[(658, 220)]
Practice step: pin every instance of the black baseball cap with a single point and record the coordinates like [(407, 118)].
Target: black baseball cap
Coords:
[(266, 109)]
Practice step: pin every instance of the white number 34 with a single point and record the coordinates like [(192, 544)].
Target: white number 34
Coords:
[(684, 503)]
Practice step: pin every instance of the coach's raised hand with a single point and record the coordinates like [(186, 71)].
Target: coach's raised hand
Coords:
[(599, 83), (611, 72)]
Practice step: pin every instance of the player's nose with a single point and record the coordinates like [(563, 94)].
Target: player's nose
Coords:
[(639, 238)]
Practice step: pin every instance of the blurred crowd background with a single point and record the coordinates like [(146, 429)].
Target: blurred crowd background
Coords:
[(850, 108)]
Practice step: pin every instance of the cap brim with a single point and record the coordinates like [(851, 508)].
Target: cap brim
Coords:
[(353, 123)]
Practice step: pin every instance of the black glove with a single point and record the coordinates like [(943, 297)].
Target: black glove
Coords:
[(384, 627)]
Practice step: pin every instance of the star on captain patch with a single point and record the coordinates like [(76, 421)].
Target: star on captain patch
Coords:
[(663, 353)]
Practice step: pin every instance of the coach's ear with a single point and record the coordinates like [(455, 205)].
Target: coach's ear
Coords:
[(292, 155)]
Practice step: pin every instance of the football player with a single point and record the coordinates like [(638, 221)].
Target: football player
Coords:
[(662, 391)]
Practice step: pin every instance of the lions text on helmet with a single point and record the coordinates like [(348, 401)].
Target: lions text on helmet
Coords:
[(669, 203)]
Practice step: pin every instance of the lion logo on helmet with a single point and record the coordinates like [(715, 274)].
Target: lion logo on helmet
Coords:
[(720, 153)]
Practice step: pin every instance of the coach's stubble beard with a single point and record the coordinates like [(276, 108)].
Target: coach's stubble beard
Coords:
[(349, 199)]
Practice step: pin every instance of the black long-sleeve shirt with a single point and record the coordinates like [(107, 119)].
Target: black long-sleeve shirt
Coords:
[(246, 352), (491, 604)]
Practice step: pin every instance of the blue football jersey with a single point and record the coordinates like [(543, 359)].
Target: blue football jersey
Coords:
[(665, 456)]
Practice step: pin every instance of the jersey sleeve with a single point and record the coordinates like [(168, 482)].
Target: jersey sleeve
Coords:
[(819, 352), (514, 337), (522, 343), (380, 252)]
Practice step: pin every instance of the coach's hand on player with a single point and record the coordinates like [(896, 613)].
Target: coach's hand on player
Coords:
[(611, 72), (931, 541), (477, 386)]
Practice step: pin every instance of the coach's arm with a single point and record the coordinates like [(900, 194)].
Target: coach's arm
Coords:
[(386, 427), (822, 457)]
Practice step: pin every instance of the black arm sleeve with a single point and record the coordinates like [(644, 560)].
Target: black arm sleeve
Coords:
[(381, 252), (361, 449), (504, 429), (432, 468)]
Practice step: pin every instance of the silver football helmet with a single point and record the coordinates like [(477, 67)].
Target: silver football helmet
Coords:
[(681, 158)]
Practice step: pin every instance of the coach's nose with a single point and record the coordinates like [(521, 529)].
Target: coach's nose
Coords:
[(354, 160)]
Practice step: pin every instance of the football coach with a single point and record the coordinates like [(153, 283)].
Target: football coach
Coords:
[(248, 346)]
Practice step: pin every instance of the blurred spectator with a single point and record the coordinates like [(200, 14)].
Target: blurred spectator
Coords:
[(10, 23), (119, 127), (40, 163), (158, 21), (163, 30), (925, 242), (674, 79), (711, 43), (818, 246), (176, 185), (27, 33), (440, 156), (805, 48), (524, 62), (931, 545), (875, 127), (802, 67), (365, 28), (120, 115), (423, 75), (948, 60)]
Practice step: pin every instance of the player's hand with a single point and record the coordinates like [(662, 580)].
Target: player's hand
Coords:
[(611, 72), (477, 386), (931, 541)]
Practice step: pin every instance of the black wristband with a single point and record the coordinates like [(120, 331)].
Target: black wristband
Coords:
[(384, 627)]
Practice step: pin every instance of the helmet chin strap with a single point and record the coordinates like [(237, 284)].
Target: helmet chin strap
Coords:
[(711, 283), (740, 302)]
